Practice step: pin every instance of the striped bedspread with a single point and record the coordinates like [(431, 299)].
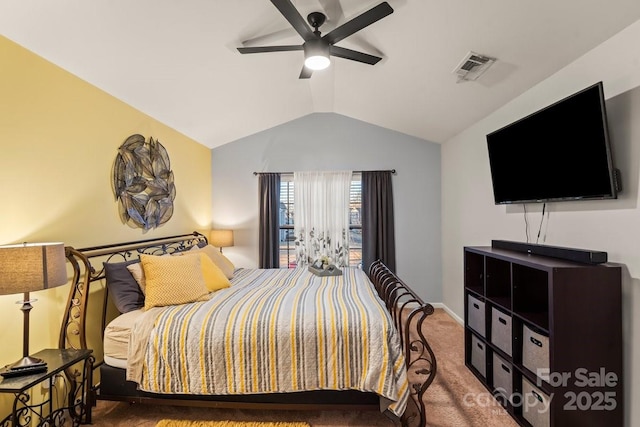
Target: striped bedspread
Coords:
[(274, 331)]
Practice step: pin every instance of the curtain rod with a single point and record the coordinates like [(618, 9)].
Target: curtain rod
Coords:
[(393, 171)]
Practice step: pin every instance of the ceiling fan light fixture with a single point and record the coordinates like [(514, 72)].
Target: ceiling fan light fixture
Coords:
[(317, 62), (319, 49), (316, 55)]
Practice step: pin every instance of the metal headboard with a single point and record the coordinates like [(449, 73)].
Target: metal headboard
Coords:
[(73, 330)]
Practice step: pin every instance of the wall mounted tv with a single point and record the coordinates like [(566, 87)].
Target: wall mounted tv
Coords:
[(559, 153)]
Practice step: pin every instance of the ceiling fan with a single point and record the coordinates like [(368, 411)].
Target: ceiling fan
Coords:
[(317, 49)]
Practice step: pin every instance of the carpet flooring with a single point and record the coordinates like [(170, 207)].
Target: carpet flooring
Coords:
[(455, 398)]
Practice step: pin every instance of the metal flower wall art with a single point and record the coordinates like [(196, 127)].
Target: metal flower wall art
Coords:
[(143, 183)]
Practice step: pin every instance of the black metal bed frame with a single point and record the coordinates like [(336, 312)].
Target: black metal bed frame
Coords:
[(402, 303), (407, 308)]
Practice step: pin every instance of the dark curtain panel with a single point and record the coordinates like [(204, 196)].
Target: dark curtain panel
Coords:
[(378, 237), (268, 240)]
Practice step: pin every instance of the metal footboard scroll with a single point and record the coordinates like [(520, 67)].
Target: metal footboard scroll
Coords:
[(408, 312)]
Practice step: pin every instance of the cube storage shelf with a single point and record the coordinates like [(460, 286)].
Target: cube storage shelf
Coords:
[(544, 335)]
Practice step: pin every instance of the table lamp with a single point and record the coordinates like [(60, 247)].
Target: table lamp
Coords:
[(221, 238), (26, 268)]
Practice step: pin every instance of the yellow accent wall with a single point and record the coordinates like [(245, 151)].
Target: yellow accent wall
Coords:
[(59, 137)]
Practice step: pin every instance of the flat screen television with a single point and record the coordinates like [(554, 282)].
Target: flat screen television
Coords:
[(559, 153)]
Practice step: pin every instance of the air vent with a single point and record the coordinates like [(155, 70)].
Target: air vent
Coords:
[(472, 66)]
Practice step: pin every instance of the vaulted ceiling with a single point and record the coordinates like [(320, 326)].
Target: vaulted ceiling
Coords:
[(177, 60)]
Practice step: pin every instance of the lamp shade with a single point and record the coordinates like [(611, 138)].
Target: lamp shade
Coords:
[(221, 238), (31, 267)]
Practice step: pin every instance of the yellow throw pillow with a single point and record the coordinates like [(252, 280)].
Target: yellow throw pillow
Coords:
[(220, 260), (172, 280), (138, 274), (214, 278)]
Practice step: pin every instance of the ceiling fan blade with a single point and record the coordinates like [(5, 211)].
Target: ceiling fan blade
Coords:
[(345, 53), (270, 38), (296, 20), (305, 73), (359, 22), (263, 49)]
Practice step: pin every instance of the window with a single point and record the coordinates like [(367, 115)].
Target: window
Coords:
[(286, 221)]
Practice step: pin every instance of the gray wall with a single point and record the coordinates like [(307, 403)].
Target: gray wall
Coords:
[(328, 141)]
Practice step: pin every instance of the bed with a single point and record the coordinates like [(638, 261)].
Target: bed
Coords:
[(278, 339)]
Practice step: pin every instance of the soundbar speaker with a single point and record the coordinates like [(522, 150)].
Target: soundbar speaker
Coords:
[(584, 256)]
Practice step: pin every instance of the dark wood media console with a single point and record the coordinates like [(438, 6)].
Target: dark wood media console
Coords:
[(545, 336)]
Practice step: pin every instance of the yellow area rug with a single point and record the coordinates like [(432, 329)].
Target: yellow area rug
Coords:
[(179, 423)]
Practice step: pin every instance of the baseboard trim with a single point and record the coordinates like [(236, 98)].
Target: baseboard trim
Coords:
[(449, 312)]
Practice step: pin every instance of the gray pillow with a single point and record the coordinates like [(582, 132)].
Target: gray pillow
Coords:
[(123, 288)]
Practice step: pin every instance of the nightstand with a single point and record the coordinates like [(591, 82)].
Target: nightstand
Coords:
[(68, 397)]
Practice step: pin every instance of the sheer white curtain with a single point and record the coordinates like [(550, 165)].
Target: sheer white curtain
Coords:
[(322, 216)]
